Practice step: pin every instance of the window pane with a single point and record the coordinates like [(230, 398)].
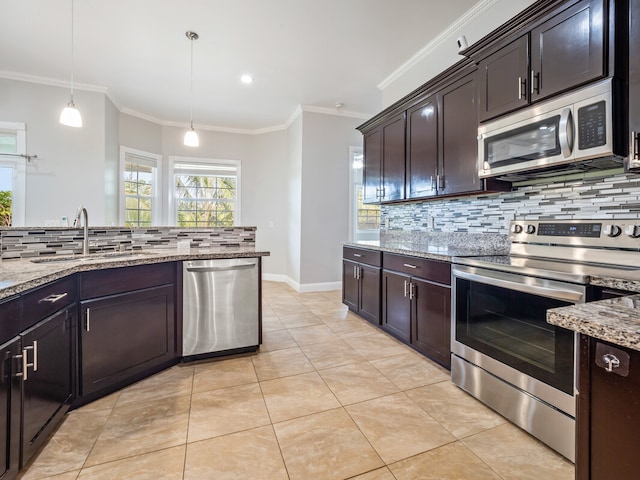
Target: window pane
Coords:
[(204, 190), (131, 203), (368, 215), (8, 142), (138, 188)]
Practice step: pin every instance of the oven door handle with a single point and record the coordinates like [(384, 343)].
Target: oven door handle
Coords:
[(541, 290)]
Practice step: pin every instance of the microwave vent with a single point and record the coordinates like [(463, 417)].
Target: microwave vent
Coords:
[(581, 167)]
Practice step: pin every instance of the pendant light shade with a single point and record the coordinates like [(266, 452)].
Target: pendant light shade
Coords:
[(191, 137), (70, 115)]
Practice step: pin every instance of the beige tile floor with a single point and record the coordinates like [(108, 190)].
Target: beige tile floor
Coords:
[(327, 397)]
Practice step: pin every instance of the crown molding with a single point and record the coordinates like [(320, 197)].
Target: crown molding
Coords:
[(425, 51), (337, 112), (53, 82)]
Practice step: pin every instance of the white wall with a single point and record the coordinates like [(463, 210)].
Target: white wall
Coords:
[(69, 170), (111, 163), (440, 55), (294, 200), (325, 196)]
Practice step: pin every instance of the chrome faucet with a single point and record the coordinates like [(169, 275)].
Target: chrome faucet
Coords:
[(85, 232)]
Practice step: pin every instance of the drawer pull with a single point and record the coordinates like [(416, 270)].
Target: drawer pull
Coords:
[(53, 298), (25, 362), (405, 288), (408, 265), (357, 255), (88, 320)]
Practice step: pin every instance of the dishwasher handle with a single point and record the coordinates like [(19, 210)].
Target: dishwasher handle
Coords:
[(242, 266)]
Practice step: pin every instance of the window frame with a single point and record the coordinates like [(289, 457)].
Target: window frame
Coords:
[(18, 166), (148, 159), (355, 182), (172, 214)]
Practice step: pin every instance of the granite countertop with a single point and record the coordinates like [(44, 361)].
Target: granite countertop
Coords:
[(615, 320), (20, 275)]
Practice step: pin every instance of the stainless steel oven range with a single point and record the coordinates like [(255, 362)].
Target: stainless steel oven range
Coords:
[(503, 351)]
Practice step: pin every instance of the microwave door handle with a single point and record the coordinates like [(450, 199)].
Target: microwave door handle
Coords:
[(565, 135)]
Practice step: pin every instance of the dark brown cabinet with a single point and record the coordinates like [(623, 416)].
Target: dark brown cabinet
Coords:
[(503, 79), (608, 416), (384, 161), (10, 386), (422, 149), (361, 282), (129, 330), (566, 50), (634, 83), (416, 297), (458, 122)]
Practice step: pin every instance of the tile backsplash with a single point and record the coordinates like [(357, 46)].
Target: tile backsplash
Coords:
[(39, 241), (616, 196)]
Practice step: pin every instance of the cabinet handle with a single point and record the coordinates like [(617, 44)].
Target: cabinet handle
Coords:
[(88, 319), (522, 88), (412, 291), (359, 270), (19, 374), (433, 183), (408, 265), (382, 192), (357, 255), (635, 155), (35, 355), (440, 180), (53, 298), (612, 362), (535, 82), (24, 364), (405, 288)]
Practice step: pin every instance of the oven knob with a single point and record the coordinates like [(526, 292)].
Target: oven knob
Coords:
[(531, 229), (612, 230), (633, 231), (515, 228)]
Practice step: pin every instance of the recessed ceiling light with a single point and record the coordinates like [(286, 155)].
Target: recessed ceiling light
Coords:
[(246, 79)]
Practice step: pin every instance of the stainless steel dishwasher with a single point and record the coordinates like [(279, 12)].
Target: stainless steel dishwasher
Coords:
[(220, 307)]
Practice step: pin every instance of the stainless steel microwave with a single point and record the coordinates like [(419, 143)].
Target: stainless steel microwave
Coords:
[(571, 128)]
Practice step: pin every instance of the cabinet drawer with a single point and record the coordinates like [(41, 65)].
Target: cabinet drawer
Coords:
[(433, 270), (9, 318), (44, 301), (101, 283), (370, 257)]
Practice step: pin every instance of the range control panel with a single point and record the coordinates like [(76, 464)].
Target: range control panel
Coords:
[(589, 233)]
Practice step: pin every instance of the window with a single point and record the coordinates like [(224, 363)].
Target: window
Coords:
[(140, 174), (206, 192), (364, 219), (13, 174)]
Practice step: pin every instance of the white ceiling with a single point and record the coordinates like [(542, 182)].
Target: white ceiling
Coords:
[(301, 52)]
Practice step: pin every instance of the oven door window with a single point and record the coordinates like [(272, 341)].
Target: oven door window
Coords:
[(511, 327), (530, 142)]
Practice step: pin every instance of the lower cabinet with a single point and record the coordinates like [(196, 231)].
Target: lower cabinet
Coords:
[(361, 282), (416, 299), (47, 377), (608, 412), (127, 326), (10, 407)]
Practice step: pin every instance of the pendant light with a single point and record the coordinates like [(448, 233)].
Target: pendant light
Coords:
[(191, 137), (70, 116)]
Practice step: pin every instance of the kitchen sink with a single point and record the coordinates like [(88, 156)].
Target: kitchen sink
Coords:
[(88, 258)]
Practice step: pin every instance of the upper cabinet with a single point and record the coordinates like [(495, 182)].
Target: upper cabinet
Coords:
[(384, 166), (566, 50), (422, 149), (634, 84)]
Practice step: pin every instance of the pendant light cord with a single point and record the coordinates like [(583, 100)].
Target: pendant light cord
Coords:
[(72, 59), (191, 85)]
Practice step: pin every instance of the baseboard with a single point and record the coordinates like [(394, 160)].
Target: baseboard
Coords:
[(302, 288)]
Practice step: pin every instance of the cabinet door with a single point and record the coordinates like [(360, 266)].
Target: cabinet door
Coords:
[(431, 326), (422, 149), (614, 418), (10, 382), (634, 82), (503, 79), (393, 159), (370, 293), (568, 50), (124, 335), (396, 306), (458, 118), (47, 383), (350, 285), (372, 167)]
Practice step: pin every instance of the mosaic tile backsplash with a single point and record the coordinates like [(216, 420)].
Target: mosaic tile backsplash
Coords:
[(616, 196), (33, 242)]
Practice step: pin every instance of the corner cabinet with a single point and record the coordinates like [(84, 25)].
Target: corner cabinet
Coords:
[(416, 304), (127, 326), (361, 282), (565, 50), (608, 412)]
